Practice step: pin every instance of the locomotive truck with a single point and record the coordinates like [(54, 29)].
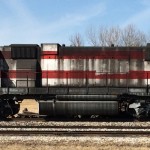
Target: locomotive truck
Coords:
[(71, 81)]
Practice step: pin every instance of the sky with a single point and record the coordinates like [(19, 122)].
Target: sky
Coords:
[(54, 21)]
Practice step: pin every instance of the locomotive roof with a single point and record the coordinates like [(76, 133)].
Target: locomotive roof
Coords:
[(93, 50)]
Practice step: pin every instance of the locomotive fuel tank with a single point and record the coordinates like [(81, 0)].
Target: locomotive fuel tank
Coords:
[(72, 108)]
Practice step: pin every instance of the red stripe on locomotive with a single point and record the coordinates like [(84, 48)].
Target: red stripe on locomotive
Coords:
[(77, 74)]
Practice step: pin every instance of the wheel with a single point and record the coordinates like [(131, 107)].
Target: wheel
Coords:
[(8, 108)]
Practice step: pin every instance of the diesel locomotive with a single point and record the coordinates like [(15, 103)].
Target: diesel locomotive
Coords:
[(71, 81)]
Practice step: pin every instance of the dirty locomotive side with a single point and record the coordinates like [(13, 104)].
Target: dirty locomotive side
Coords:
[(71, 81)]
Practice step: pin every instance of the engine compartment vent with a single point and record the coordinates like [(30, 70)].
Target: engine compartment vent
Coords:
[(25, 51), (147, 52)]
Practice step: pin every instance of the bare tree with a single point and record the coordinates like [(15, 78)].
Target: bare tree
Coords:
[(92, 36), (103, 32), (113, 36), (148, 37), (76, 40), (109, 36), (142, 39), (131, 36)]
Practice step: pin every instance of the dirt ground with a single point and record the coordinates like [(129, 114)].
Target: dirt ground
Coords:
[(30, 104)]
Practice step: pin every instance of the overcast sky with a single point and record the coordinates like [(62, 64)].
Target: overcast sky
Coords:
[(54, 21)]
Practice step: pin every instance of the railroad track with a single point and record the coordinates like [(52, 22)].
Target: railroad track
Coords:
[(71, 133), (74, 130), (30, 116), (73, 127), (72, 119)]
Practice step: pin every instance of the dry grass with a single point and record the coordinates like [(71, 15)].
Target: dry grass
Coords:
[(30, 104)]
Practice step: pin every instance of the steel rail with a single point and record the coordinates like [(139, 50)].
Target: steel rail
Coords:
[(75, 127), (71, 133)]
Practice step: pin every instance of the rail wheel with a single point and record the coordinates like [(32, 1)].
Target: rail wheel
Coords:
[(8, 108)]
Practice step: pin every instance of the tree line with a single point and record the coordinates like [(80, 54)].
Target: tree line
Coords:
[(130, 35)]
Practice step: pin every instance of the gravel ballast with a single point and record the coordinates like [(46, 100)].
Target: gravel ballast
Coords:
[(58, 123), (79, 142), (52, 142)]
